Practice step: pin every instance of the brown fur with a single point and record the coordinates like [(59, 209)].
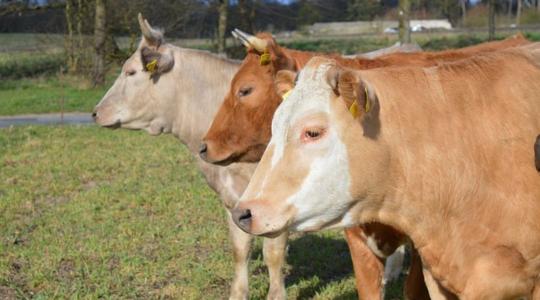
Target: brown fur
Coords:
[(459, 137), (241, 129)]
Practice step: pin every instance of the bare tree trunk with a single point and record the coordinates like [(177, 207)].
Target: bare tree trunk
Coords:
[(518, 12), (222, 25), (100, 36), (491, 5), (404, 26), (70, 43), (79, 52), (247, 16), (509, 12), (463, 11)]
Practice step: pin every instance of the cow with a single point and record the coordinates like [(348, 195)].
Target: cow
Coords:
[(440, 153), (166, 89), (241, 131)]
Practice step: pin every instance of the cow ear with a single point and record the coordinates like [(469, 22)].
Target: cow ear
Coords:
[(281, 60), (361, 99), (284, 82), (157, 62), (358, 95)]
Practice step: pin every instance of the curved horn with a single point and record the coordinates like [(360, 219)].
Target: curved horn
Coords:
[(253, 41), (240, 38), (151, 35)]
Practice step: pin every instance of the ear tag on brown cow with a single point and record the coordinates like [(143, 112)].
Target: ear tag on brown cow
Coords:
[(368, 105), (354, 107), (354, 110), (151, 66), (284, 97), (265, 58)]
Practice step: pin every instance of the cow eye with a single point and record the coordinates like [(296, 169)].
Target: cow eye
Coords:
[(245, 91), (312, 134), (130, 72)]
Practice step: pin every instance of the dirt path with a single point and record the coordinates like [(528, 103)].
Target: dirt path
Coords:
[(46, 119)]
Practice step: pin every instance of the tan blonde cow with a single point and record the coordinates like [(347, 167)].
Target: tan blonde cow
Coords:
[(443, 154)]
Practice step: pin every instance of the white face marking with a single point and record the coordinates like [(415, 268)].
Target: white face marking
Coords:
[(324, 194)]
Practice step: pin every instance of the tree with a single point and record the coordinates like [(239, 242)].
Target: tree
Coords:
[(247, 12), (363, 9), (222, 24), (463, 4), (518, 12), (404, 26), (100, 36), (491, 5)]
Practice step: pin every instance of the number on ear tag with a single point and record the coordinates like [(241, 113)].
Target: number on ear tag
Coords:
[(151, 66)]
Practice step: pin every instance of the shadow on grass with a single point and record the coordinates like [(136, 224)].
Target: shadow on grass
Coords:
[(318, 263), (319, 260)]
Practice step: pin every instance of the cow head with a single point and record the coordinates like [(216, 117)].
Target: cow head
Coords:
[(134, 100), (241, 129), (324, 156)]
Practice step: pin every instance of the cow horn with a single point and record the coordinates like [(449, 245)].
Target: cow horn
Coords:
[(153, 36), (250, 40), (240, 38)]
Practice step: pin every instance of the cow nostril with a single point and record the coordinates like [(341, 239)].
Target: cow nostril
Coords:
[(242, 218), (245, 216), (202, 150), (94, 115)]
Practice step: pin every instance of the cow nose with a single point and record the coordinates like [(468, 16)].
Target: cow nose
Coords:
[(203, 149), (242, 218), (94, 115)]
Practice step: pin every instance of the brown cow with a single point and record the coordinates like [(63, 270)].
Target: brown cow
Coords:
[(241, 131), (441, 154)]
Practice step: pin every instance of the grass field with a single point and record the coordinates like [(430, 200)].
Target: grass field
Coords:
[(47, 94), (90, 213)]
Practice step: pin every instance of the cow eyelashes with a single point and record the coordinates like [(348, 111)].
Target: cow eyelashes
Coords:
[(312, 134), (130, 72), (245, 91)]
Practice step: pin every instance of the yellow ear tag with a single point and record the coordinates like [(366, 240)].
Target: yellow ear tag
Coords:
[(368, 105), (265, 59), (354, 109), (151, 66), (286, 95)]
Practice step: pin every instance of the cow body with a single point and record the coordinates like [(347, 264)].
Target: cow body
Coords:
[(180, 95), (441, 154)]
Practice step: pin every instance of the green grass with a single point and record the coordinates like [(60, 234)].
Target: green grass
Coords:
[(90, 213), (47, 94)]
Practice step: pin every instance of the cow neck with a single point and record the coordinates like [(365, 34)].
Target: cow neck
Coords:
[(199, 94)]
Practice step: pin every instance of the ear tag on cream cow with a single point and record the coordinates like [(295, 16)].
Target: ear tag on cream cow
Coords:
[(286, 94), (151, 66), (265, 58)]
